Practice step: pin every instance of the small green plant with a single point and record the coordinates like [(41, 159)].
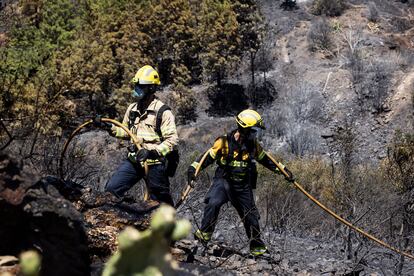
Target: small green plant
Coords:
[(147, 252), (30, 262), (337, 26)]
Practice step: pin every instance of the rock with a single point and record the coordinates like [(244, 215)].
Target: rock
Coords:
[(37, 216), (250, 262), (382, 155), (284, 264), (386, 108), (9, 265), (187, 242), (264, 266), (327, 135)]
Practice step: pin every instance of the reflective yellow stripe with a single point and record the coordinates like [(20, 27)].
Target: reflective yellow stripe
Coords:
[(153, 161), (147, 135), (235, 163), (120, 132), (164, 149), (195, 165), (238, 177), (261, 155), (132, 158)]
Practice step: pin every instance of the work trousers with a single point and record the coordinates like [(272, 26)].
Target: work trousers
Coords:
[(129, 173), (240, 195)]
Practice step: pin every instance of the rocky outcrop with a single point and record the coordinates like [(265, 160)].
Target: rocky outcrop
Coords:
[(35, 216), (70, 226)]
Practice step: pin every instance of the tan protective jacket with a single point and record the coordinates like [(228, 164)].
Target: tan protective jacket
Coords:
[(144, 128)]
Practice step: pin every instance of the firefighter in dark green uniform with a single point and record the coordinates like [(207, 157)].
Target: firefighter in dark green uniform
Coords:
[(236, 154)]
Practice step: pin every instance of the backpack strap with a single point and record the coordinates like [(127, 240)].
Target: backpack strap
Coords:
[(231, 147), (159, 120), (132, 116)]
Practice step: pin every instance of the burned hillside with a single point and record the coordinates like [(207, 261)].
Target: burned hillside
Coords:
[(332, 82)]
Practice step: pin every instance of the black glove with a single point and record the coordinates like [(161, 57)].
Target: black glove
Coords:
[(191, 175), (144, 154), (289, 176), (97, 122), (132, 148)]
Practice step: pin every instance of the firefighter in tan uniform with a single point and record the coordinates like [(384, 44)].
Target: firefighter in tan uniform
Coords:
[(154, 125)]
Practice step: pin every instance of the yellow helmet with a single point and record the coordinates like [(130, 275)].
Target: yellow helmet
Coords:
[(146, 75), (249, 118)]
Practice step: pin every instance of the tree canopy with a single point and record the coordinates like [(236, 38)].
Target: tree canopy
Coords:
[(65, 56)]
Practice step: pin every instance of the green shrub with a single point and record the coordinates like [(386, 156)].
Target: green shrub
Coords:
[(147, 252), (328, 7), (185, 104)]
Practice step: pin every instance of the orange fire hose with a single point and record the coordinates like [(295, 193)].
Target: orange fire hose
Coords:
[(189, 188), (118, 124), (337, 217)]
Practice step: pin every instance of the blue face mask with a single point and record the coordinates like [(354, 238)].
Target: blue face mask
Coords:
[(251, 133), (138, 92)]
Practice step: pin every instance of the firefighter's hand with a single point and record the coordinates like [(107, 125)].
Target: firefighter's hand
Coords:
[(97, 122), (191, 175), (289, 177), (144, 154)]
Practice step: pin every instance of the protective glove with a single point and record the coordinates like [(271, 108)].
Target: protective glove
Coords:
[(191, 175), (144, 154), (97, 122), (289, 176), (132, 148)]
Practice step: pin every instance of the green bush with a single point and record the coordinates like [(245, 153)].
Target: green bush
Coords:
[(185, 105), (328, 7)]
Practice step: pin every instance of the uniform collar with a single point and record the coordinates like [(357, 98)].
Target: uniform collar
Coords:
[(153, 105)]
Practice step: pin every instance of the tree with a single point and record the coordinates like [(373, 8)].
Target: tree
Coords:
[(218, 33), (29, 70), (328, 7), (173, 38), (251, 30), (289, 5), (264, 59)]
